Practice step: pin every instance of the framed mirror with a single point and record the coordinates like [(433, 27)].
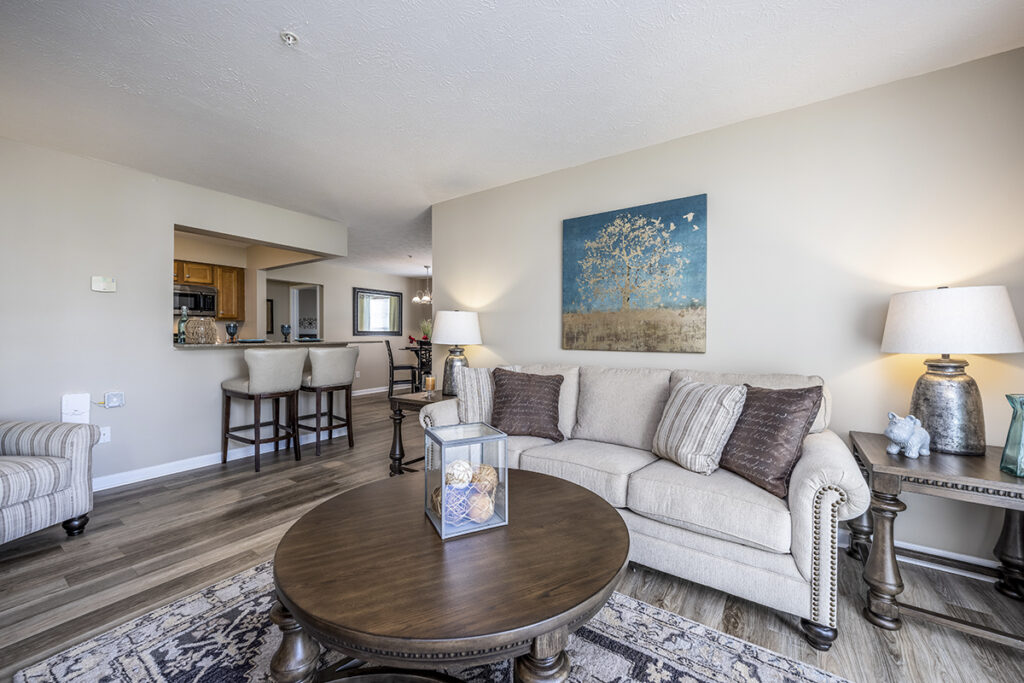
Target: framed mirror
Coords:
[(376, 312)]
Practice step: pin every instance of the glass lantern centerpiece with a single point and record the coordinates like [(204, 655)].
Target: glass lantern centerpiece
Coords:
[(466, 478)]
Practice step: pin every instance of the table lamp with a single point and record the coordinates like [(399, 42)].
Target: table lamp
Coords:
[(455, 328), (968, 320)]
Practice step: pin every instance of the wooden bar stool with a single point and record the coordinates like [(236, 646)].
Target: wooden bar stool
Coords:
[(333, 369), (273, 374)]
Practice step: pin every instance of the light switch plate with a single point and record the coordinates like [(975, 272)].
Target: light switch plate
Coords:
[(74, 408), (104, 283), (104, 434)]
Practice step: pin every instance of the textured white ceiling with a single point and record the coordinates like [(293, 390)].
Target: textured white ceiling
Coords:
[(382, 110)]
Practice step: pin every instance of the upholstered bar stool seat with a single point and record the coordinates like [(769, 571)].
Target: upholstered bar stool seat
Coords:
[(273, 374), (332, 369)]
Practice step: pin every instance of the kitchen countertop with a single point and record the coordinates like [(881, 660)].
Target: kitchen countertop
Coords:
[(268, 345)]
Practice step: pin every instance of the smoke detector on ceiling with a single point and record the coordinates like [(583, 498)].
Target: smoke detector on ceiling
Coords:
[(289, 38)]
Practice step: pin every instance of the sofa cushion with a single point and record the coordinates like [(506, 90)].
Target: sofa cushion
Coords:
[(767, 381), (621, 405), (769, 435), (569, 395), (526, 405), (24, 477), (474, 388), (603, 468), (720, 504), (697, 422), (517, 444)]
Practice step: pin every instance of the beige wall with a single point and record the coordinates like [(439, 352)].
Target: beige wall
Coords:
[(815, 217), (338, 280), (64, 218), (191, 248)]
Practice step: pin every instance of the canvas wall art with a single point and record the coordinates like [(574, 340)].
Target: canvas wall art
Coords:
[(636, 279)]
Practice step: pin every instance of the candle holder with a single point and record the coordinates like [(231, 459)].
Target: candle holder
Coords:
[(429, 385)]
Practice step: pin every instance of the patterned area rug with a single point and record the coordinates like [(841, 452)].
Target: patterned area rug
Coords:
[(223, 634)]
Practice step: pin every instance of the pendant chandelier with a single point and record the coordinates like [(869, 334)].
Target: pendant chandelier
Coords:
[(423, 296)]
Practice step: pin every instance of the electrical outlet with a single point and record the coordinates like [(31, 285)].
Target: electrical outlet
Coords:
[(357, 374), (104, 434), (113, 399)]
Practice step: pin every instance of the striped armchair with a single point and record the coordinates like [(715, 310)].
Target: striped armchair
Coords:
[(45, 476)]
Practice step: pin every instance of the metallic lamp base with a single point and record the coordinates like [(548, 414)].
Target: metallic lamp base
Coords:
[(455, 359), (947, 401)]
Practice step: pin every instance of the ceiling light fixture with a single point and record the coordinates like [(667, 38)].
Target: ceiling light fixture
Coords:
[(289, 38), (423, 296)]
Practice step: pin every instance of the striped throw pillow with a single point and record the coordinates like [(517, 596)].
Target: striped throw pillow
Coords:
[(696, 424), (475, 390)]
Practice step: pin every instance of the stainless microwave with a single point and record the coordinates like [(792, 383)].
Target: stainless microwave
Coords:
[(200, 300)]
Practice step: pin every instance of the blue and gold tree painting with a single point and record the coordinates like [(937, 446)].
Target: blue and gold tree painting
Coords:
[(636, 279)]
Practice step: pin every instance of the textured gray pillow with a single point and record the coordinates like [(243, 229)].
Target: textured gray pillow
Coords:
[(769, 436), (697, 423), (526, 405)]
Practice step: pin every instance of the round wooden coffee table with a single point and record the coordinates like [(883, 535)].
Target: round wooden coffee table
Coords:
[(366, 574)]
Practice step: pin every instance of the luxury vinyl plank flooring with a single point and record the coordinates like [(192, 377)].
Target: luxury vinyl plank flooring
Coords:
[(150, 543)]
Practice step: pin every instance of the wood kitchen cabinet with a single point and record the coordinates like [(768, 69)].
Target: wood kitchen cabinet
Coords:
[(230, 284), (179, 271), (197, 273)]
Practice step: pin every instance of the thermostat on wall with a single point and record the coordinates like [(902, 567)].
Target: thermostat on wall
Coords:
[(102, 283)]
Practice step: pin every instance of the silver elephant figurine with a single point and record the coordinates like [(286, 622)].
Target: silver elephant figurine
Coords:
[(907, 434)]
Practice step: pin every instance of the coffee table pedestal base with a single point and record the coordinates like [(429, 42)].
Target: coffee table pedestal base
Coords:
[(297, 657), (546, 662)]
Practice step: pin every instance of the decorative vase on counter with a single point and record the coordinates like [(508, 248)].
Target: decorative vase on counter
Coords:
[(1013, 451), (200, 331), (286, 330), (232, 330)]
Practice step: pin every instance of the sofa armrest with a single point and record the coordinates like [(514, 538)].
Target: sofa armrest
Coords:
[(826, 487), (53, 439), (439, 414), (57, 440)]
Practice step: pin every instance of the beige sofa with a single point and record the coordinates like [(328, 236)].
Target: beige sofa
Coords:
[(719, 530)]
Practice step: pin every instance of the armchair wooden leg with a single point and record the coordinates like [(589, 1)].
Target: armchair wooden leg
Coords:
[(820, 637), (76, 525)]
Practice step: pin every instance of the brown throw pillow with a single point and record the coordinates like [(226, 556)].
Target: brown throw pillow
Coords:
[(768, 438), (526, 405)]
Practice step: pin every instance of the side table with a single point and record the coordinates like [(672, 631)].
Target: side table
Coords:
[(399, 404), (975, 479)]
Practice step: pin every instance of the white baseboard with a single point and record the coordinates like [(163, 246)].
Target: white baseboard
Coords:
[(371, 390), (110, 481), (844, 541)]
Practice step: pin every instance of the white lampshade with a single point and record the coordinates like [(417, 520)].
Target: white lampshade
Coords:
[(456, 327), (974, 320)]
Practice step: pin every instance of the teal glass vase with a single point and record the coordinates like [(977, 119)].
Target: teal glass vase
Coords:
[(1013, 451)]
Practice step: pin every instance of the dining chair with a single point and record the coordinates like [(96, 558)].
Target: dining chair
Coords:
[(392, 369)]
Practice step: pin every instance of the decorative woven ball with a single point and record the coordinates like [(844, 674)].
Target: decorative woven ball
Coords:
[(456, 505), (435, 501), (458, 474), (485, 478), (481, 507)]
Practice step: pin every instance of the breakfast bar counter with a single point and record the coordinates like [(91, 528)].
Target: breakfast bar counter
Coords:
[(266, 345)]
